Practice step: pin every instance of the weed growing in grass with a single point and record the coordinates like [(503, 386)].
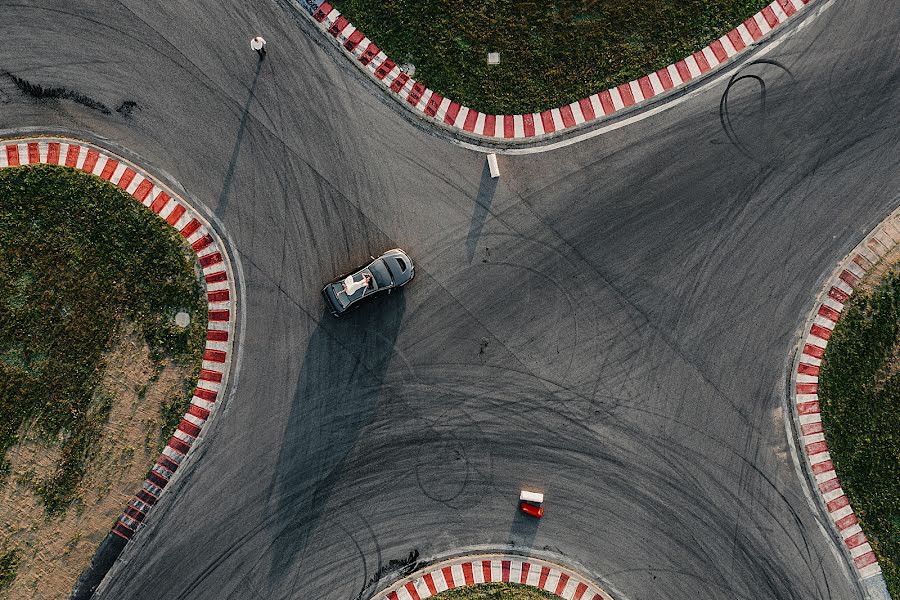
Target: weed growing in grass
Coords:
[(58, 491), (172, 411), (9, 566)]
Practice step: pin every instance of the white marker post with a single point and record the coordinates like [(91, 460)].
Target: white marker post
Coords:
[(535, 497), (492, 165)]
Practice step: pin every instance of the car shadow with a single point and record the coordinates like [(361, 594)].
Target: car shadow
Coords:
[(482, 208), (523, 529), (336, 397)]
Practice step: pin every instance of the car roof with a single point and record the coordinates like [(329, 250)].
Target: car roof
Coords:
[(343, 298)]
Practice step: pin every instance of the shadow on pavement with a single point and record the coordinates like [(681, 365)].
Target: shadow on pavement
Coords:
[(225, 194), (336, 397), (486, 190), (101, 563), (523, 528)]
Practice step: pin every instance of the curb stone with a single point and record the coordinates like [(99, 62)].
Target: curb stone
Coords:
[(804, 400), (215, 267), (444, 112), (493, 568)]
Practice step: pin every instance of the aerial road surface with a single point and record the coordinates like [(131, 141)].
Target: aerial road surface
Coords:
[(609, 322)]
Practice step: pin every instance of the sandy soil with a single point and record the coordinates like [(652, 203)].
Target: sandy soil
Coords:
[(874, 276), (55, 551)]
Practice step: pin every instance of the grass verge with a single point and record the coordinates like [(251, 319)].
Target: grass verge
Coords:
[(551, 53), (496, 591), (859, 389), (90, 281)]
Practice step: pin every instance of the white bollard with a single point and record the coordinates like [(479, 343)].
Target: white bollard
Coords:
[(531, 496), (492, 165)]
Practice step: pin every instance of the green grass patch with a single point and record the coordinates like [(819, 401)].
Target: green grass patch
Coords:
[(9, 566), (859, 390), (551, 53), (496, 591), (172, 411), (79, 258)]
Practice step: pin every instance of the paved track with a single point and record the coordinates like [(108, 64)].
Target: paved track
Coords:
[(610, 321)]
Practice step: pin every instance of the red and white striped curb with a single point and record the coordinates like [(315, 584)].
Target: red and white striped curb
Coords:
[(464, 120), (472, 570), (219, 290), (805, 382)]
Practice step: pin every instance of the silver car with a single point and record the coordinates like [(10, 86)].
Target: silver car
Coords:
[(390, 270)]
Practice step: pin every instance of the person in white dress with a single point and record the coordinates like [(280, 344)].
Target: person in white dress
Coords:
[(259, 45), (351, 286)]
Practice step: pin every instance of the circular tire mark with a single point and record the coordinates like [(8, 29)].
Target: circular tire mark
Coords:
[(757, 143), (455, 462), (442, 472)]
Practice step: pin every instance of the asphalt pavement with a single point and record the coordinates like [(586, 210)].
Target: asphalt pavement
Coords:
[(610, 322)]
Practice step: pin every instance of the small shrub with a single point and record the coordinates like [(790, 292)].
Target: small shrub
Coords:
[(9, 566)]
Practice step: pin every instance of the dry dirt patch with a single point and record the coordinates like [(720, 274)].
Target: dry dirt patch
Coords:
[(55, 550), (874, 275)]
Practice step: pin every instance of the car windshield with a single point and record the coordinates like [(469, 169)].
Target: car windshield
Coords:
[(381, 274), (396, 266)]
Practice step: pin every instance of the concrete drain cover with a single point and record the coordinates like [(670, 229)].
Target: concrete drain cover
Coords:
[(182, 319)]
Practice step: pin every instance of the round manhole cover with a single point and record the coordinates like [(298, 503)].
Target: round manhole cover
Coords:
[(182, 319)]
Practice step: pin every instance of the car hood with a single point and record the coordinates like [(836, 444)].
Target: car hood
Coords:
[(400, 277)]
